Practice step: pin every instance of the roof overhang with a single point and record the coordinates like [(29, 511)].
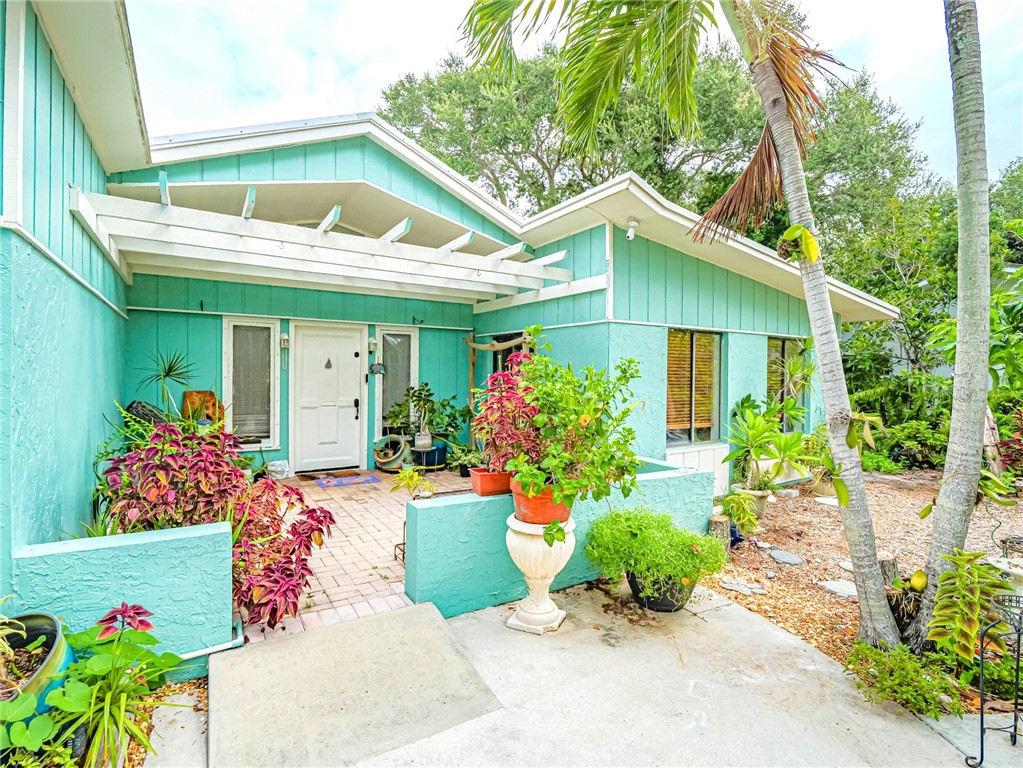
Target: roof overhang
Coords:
[(92, 45), (614, 202)]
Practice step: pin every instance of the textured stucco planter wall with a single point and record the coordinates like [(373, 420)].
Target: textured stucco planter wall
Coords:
[(182, 575), (456, 556)]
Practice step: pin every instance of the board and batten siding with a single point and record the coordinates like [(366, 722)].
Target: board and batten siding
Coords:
[(61, 345), (587, 257), (58, 152), (657, 284), (340, 160), (173, 314)]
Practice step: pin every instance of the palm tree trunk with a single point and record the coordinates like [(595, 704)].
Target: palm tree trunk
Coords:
[(963, 459), (876, 621)]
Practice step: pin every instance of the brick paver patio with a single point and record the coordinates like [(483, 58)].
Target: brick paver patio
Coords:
[(355, 573)]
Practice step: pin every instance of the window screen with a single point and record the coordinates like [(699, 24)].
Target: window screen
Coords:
[(250, 385), (396, 355), (779, 351), (693, 386)]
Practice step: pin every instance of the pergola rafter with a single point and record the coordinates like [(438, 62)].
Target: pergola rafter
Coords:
[(163, 239)]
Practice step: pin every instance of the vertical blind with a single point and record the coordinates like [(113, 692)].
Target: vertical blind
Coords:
[(693, 385), (250, 382), (396, 355)]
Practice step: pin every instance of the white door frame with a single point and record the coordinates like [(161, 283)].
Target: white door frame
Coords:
[(363, 330), (378, 387)]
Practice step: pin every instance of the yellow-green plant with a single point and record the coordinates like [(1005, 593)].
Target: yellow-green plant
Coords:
[(8, 628), (963, 605), (741, 509), (411, 479)]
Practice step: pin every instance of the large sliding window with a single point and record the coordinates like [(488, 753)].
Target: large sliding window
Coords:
[(694, 362), (251, 380), (398, 350)]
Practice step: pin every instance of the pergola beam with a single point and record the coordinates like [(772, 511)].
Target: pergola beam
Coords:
[(459, 242), (574, 288), (164, 188), (84, 214), (398, 231), (118, 213), (553, 258), (250, 202), (513, 252), (330, 220)]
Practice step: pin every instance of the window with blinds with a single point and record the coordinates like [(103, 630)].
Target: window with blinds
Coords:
[(693, 387), (251, 374)]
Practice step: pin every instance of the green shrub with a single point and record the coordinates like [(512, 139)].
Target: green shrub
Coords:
[(921, 685), (918, 443), (648, 544), (874, 461)]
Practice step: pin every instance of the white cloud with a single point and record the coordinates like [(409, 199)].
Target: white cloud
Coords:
[(215, 65)]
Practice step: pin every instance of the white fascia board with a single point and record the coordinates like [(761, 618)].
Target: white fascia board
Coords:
[(92, 45)]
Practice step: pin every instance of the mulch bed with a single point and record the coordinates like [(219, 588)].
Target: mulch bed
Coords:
[(23, 666), (813, 531), (197, 689)]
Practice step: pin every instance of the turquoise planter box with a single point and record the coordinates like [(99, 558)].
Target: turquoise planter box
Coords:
[(456, 557), (182, 575)]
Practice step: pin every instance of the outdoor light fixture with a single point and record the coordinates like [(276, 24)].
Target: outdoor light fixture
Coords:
[(372, 344), (631, 234)]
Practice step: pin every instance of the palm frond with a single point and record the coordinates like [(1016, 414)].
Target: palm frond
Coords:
[(654, 43), (490, 26), (750, 199), (757, 191)]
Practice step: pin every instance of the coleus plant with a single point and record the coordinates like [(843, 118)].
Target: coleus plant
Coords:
[(505, 423), (180, 477)]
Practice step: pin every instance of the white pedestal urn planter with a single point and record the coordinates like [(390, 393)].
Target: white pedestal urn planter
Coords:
[(539, 563)]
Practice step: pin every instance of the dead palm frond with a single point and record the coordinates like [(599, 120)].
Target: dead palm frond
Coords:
[(757, 191)]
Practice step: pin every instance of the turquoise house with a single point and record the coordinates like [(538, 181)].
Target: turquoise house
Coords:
[(310, 271)]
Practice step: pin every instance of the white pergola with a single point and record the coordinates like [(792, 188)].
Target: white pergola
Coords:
[(164, 239)]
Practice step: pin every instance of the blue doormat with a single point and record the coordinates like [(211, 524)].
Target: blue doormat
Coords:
[(335, 482)]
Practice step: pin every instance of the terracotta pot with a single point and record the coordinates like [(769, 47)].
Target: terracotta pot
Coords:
[(486, 483), (540, 509)]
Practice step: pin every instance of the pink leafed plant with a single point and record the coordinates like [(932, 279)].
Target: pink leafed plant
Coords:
[(505, 422)]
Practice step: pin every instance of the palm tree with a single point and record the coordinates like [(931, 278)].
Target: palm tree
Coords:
[(963, 459), (655, 43)]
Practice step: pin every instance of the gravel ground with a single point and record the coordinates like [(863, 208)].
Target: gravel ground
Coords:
[(813, 530)]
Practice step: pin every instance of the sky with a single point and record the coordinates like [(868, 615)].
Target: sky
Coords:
[(208, 65)]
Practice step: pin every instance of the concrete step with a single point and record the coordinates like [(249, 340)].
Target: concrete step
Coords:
[(342, 693)]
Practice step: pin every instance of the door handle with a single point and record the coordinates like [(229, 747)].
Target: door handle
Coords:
[(356, 409)]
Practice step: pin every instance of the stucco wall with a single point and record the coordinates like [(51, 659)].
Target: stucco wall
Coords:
[(456, 555), (182, 575), (649, 345)]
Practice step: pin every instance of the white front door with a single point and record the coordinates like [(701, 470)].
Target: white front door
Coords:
[(329, 417)]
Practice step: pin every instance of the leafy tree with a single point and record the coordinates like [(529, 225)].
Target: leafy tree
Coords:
[(655, 44)]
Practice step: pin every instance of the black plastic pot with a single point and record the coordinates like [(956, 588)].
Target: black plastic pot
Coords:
[(666, 595), (463, 470)]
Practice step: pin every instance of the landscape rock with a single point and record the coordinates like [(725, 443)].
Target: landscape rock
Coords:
[(842, 588), (742, 586), (763, 545), (846, 565), (772, 575), (784, 557)]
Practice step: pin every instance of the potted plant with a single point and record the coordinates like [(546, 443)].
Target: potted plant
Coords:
[(576, 441), (786, 452), (752, 434), (661, 561), (741, 509), (503, 427), (463, 458), (34, 656)]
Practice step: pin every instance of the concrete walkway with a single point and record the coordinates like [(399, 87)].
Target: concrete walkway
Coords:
[(717, 685)]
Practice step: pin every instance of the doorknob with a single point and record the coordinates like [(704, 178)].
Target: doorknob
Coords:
[(356, 409)]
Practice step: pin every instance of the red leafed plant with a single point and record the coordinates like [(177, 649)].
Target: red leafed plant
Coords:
[(1012, 448), (505, 420), (175, 478), (179, 477)]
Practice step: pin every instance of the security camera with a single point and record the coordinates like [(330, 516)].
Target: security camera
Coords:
[(631, 234)]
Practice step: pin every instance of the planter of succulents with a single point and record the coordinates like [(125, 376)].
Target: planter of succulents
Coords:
[(661, 562)]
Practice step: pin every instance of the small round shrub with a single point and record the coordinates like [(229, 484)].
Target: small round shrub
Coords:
[(649, 545)]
